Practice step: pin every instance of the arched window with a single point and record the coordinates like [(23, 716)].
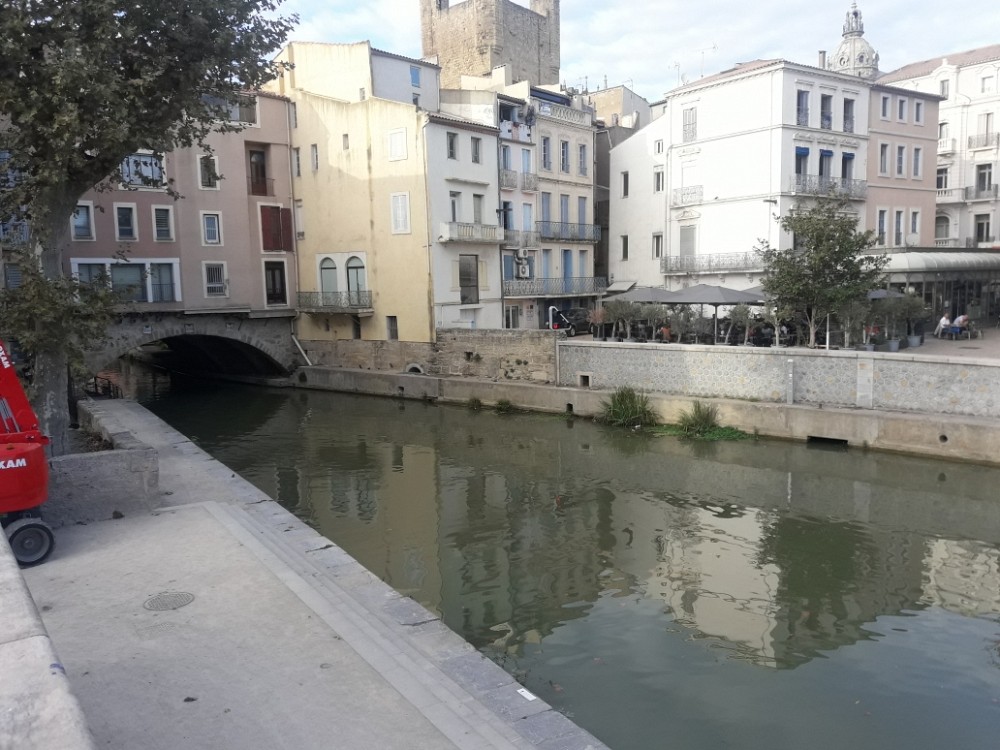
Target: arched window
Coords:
[(328, 280), (942, 227), (355, 279)]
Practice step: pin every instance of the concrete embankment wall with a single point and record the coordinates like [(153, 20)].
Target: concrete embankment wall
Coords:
[(950, 436)]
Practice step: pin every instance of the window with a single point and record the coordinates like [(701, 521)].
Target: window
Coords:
[(802, 108), (505, 157), (917, 157), (455, 201), (801, 160), (583, 160), (690, 124), (314, 157), (477, 147), (944, 88), (241, 109), (416, 100), (468, 279), (581, 211), (657, 180), (564, 209), (127, 281), (452, 139), (847, 168), (163, 223), (942, 178), (362, 94), (293, 113), (391, 328), (208, 173), (658, 146), (415, 76), (211, 228), (296, 162), (901, 109), (275, 229), (83, 222), (477, 208), (883, 158), (345, 141), (564, 156), (275, 288), (125, 228), (914, 222), (688, 237), (826, 111), (983, 228), (327, 278), (161, 282), (885, 107), (546, 153), (918, 113), (880, 231), (91, 273), (900, 161), (400, 207), (986, 84), (624, 246), (300, 222), (142, 170), (215, 279), (848, 115), (259, 184), (942, 130), (624, 184), (984, 177), (898, 229), (546, 208), (985, 121), (397, 144), (942, 228), (825, 165), (657, 246)]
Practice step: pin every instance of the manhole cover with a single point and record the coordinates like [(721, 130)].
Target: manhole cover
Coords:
[(168, 600)]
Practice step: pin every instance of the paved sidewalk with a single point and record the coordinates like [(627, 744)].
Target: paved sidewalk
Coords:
[(224, 622)]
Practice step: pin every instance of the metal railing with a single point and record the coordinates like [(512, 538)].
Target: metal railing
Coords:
[(335, 301), (848, 123), (567, 232), (579, 285), (529, 182), (685, 195), (711, 263), (457, 231), (826, 120), (802, 116), (689, 133), (520, 238), (984, 140), (980, 192), (260, 186), (508, 179), (811, 183), (981, 239)]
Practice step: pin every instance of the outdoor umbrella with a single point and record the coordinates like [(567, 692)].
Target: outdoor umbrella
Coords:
[(709, 294), (647, 294)]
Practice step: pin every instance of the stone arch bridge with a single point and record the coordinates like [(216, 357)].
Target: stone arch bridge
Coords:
[(220, 343)]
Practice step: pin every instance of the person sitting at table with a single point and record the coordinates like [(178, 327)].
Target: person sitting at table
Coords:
[(962, 322), (943, 325)]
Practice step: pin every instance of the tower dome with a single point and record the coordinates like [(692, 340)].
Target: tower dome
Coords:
[(855, 56)]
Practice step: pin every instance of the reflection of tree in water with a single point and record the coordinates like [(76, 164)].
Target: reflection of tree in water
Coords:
[(834, 578)]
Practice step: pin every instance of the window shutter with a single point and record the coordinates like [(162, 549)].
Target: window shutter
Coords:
[(287, 241), (270, 227)]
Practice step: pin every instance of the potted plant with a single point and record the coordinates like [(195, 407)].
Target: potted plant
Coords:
[(596, 318), (852, 316), (739, 317), (911, 309)]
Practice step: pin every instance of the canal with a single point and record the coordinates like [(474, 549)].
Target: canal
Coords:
[(662, 594)]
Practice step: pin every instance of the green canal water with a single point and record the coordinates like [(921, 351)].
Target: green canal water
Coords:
[(662, 594)]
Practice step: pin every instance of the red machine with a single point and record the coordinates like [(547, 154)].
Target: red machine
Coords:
[(24, 471)]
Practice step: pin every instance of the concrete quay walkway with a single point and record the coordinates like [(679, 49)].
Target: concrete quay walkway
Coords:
[(221, 621)]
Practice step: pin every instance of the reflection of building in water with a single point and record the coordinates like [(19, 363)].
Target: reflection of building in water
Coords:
[(963, 576)]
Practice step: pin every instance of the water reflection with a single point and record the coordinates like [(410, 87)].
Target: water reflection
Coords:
[(609, 571)]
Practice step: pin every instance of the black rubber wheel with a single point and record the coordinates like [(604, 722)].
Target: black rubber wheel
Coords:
[(31, 540), (571, 331)]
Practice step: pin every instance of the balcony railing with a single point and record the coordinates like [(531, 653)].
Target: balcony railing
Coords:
[(811, 183), (984, 140), (260, 186), (574, 287), (508, 179), (566, 114), (982, 239), (950, 195), (347, 302), (946, 242), (711, 263), (802, 116), (557, 230), (946, 146), (826, 120), (16, 233), (848, 123), (686, 195), (689, 132), (981, 192), (520, 238), (456, 231), (529, 182)]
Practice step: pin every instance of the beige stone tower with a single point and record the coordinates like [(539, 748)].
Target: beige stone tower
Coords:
[(474, 36)]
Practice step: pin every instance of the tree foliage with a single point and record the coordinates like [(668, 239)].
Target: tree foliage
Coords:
[(827, 265), (85, 84)]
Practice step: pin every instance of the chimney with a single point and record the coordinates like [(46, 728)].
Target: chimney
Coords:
[(822, 59)]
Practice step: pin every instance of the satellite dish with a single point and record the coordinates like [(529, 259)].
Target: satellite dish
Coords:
[(912, 239)]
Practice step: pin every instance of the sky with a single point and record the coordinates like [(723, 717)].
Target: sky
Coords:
[(651, 46)]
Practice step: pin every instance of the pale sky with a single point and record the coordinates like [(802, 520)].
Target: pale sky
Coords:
[(651, 45)]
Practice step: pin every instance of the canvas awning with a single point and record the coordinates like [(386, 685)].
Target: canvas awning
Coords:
[(619, 286)]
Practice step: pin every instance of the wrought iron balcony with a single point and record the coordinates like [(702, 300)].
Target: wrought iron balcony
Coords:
[(520, 238), (848, 123), (334, 302), (457, 231), (984, 140), (826, 120), (529, 182), (687, 195), (559, 112), (572, 287), (710, 263), (567, 232), (981, 193), (816, 185), (16, 233), (508, 179), (946, 146), (260, 186), (802, 116)]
